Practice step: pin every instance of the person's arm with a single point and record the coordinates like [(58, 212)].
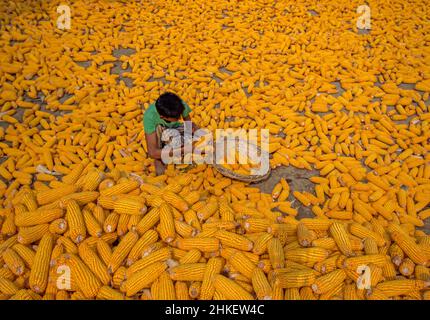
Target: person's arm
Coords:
[(151, 142), (153, 151)]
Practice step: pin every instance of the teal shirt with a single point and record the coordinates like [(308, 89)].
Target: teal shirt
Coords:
[(151, 118)]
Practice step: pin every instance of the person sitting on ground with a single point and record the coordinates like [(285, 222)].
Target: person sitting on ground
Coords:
[(163, 114)]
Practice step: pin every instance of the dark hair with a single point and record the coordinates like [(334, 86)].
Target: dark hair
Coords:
[(169, 105)]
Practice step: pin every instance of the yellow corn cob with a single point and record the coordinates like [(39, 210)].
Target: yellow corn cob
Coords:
[(295, 279), (91, 224), (149, 237), (234, 240), (276, 253), (120, 188), (28, 235), (75, 221), (410, 248), (120, 253), (370, 246), (166, 287), (261, 285), (304, 235), (130, 205), (39, 273), (85, 279), (26, 254), (209, 210), (160, 255), (230, 289), (328, 281), (260, 244), (202, 244), (104, 251), (8, 287), (167, 224), (240, 262), (175, 200), (306, 256), (340, 236), (188, 272), (213, 267), (400, 287), (407, 267), (107, 293), (51, 195), (58, 226), (13, 261), (119, 277), (192, 256), (292, 294), (92, 180), (194, 289), (148, 221), (306, 293), (181, 291), (377, 259), (94, 263)]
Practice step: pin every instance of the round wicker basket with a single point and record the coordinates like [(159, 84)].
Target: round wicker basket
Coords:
[(242, 177)]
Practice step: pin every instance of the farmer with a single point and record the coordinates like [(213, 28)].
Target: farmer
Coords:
[(164, 113)]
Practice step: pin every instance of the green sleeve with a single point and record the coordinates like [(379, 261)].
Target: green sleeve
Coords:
[(148, 123), (187, 110)]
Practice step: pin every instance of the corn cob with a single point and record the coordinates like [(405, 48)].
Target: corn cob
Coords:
[(167, 224), (188, 272), (233, 240), (194, 289), (120, 188), (341, 238), (306, 256), (162, 254), (181, 291), (13, 261), (26, 254), (120, 253), (202, 244), (146, 239), (411, 249), (28, 235), (295, 279), (32, 218), (148, 221), (58, 226), (51, 195), (130, 205), (94, 263), (166, 287), (230, 289), (85, 279), (192, 256), (39, 273), (400, 287), (144, 278), (75, 221), (328, 281)]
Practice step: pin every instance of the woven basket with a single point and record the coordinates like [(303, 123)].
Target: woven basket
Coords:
[(242, 177)]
